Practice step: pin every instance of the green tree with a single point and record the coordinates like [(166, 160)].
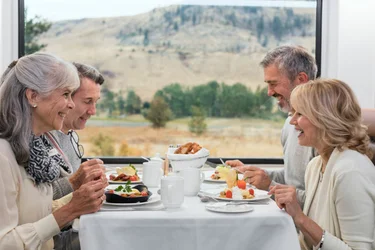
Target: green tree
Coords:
[(108, 104), (260, 27), (194, 19), (175, 26), (103, 145), (174, 95), (146, 40), (277, 27), (263, 104), (34, 27), (206, 97), (133, 103), (197, 123), (234, 100), (121, 105), (159, 113)]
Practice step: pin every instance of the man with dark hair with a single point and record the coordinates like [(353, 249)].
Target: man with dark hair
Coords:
[(67, 140), (285, 68)]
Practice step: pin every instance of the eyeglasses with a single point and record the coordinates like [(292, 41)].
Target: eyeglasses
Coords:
[(74, 140)]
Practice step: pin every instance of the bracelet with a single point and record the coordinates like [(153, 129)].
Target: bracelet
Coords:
[(320, 244)]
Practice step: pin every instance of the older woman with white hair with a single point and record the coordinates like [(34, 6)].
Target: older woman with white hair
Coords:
[(35, 96), (339, 211)]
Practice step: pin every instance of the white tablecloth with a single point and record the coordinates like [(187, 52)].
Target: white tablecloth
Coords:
[(191, 227)]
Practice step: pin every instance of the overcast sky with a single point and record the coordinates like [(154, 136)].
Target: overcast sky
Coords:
[(55, 10)]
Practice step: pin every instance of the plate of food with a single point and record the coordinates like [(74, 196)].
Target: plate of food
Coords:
[(123, 175), (126, 194), (219, 175), (238, 194), (237, 190)]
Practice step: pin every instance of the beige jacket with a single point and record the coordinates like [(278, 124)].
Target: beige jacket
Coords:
[(26, 221), (347, 211)]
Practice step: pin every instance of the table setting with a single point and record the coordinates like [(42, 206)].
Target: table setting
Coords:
[(182, 210)]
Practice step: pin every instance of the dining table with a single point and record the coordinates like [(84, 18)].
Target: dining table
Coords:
[(190, 227)]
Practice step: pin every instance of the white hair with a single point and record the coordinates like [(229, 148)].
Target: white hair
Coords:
[(41, 72)]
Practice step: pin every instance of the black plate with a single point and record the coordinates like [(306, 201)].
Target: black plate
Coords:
[(115, 198)]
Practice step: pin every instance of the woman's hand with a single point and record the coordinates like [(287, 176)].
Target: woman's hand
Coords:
[(286, 197), (88, 171), (88, 198)]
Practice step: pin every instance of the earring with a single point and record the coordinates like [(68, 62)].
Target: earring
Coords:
[(34, 105)]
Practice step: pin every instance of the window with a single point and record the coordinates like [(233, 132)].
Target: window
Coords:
[(177, 72)]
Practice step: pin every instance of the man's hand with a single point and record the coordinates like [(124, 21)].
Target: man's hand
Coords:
[(88, 171), (234, 163), (256, 176)]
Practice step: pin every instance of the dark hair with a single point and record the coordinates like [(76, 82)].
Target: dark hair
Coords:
[(87, 71)]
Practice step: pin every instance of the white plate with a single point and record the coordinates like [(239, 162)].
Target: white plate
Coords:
[(212, 180), (120, 182), (223, 208), (207, 177), (154, 198), (259, 195)]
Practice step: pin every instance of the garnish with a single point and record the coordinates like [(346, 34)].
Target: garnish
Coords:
[(127, 188)]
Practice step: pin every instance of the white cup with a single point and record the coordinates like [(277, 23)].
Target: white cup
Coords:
[(172, 191), (193, 179), (152, 173)]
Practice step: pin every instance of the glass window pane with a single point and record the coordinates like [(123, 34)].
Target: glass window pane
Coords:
[(176, 71)]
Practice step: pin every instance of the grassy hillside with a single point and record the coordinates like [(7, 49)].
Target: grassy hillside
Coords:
[(190, 45)]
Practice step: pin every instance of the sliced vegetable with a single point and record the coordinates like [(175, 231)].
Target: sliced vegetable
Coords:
[(241, 184), (251, 191), (228, 194)]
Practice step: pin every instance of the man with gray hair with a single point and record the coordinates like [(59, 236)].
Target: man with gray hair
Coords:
[(285, 68)]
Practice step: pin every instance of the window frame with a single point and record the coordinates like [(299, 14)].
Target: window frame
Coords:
[(215, 160)]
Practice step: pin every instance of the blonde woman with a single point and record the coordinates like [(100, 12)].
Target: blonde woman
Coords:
[(339, 211)]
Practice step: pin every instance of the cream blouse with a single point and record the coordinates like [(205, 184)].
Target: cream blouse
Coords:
[(346, 202), (26, 221)]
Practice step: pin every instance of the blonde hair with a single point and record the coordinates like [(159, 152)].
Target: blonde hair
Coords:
[(332, 107)]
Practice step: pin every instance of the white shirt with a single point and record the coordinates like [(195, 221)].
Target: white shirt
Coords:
[(26, 221)]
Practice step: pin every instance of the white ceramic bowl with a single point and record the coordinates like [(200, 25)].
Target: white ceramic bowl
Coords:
[(181, 161)]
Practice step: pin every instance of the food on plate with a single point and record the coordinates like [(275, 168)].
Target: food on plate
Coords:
[(241, 184), (221, 172), (128, 191), (231, 178), (227, 174), (127, 194), (125, 174), (237, 194), (188, 148), (236, 189)]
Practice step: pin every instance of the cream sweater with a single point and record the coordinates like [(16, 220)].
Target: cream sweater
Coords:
[(26, 221), (347, 209)]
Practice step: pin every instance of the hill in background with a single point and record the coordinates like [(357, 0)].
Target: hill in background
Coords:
[(190, 45)]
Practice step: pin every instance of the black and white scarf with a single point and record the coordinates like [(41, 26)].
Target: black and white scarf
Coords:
[(45, 161)]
